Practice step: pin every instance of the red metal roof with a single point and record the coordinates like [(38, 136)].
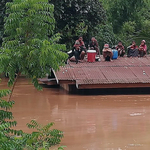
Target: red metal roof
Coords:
[(122, 70)]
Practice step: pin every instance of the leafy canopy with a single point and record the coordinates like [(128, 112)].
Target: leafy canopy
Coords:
[(6, 124), (30, 45), (121, 11), (74, 17)]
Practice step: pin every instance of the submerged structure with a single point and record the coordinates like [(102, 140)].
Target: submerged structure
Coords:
[(120, 73)]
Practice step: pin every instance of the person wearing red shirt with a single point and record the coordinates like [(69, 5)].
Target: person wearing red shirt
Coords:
[(142, 48)]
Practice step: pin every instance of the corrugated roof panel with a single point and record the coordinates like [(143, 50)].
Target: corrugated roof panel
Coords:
[(125, 61), (125, 75), (91, 81), (138, 72), (65, 73), (145, 61), (93, 73), (142, 76), (78, 73), (108, 72), (122, 70), (146, 70)]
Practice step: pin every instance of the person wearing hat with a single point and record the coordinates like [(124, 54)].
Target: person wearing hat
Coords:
[(142, 48), (107, 53)]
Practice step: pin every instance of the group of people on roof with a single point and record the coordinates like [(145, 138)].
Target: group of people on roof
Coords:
[(78, 51), (134, 50)]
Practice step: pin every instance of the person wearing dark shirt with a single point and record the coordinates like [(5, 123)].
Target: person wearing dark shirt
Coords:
[(132, 50), (78, 51), (120, 49)]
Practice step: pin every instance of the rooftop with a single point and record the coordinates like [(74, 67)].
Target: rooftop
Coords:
[(122, 72)]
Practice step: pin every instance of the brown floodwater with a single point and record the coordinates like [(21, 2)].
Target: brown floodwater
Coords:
[(89, 122)]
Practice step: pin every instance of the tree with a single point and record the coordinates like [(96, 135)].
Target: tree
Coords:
[(104, 34), (6, 123), (2, 15), (44, 137), (30, 45), (129, 19), (2, 6), (71, 14), (123, 11)]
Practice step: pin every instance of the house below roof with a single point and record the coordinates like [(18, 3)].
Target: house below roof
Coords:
[(120, 73)]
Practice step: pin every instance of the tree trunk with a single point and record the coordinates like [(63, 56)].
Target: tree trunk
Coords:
[(12, 89)]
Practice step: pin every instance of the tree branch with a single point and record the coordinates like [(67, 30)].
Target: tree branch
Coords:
[(12, 89)]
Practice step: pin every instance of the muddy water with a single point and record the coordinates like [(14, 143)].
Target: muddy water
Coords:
[(118, 122)]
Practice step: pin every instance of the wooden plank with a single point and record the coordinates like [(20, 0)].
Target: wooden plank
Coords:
[(50, 82), (47, 79), (69, 82), (114, 85)]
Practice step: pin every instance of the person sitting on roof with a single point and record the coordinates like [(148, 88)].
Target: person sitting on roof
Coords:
[(81, 44), (107, 53), (120, 49), (77, 52), (93, 45), (142, 48), (132, 50)]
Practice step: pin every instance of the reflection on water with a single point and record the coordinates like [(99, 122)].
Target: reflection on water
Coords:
[(118, 122)]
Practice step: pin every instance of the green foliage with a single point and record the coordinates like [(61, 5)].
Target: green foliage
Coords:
[(146, 27), (79, 29), (30, 45), (129, 27), (2, 15), (129, 19), (105, 34), (7, 141), (81, 17), (128, 31), (123, 11), (77, 17), (44, 137), (2, 8)]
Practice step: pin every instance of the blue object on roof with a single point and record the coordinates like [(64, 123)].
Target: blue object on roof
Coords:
[(115, 54)]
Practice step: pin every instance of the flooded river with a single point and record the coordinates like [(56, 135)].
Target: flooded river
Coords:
[(89, 122)]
